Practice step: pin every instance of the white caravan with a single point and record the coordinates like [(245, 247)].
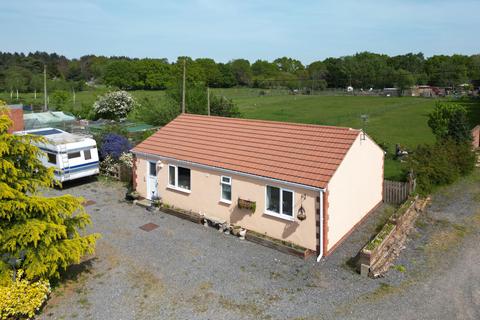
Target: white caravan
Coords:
[(73, 156)]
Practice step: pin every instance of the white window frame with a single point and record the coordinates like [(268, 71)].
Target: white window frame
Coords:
[(176, 187), (280, 215), (221, 189)]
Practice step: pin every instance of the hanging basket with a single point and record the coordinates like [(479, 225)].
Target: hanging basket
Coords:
[(247, 204), (301, 215)]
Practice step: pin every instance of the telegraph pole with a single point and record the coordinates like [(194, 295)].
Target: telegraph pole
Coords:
[(45, 106), (183, 88), (208, 101)]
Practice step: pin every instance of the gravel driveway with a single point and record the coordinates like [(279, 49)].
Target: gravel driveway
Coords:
[(182, 270)]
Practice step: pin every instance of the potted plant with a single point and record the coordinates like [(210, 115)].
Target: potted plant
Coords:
[(239, 232), (132, 195)]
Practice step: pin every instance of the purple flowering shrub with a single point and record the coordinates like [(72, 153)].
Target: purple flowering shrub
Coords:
[(114, 145)]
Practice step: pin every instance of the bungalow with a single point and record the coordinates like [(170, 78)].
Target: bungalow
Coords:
[(309, 185)]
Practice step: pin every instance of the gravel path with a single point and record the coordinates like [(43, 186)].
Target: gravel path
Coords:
[(186, 271)]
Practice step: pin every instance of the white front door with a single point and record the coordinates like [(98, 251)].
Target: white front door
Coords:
[(152, 180)]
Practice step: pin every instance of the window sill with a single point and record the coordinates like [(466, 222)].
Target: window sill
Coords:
[(225, 201), (280, 216), (179, 189)]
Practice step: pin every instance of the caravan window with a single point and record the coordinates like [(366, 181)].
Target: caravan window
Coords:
[(74, 155), (87, 154), (52, 158)]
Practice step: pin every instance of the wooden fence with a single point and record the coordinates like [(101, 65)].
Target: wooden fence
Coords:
[(396, 192), (118, 172)]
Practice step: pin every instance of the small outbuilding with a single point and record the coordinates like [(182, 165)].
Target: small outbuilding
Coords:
[(15, 113), (305, 184)]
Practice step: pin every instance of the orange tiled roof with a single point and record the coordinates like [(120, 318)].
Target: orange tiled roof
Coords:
[(299, 153)]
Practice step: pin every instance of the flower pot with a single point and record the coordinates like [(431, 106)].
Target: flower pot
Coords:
[(236, 230), (242, 234)]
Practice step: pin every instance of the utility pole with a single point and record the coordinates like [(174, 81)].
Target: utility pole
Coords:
[(73, 89), (208, 101), (183, 88), (45, 106)]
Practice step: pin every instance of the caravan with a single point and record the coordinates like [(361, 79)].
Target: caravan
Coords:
[(73, 156)]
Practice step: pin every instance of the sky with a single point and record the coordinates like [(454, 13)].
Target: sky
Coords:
[(230, 29)]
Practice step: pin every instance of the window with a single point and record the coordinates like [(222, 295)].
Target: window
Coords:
[(52, 158), (152, 169), (179, 177), (279, 202), (87, 154), (183, 178), (172, 175), (74, 155), (226, 183)]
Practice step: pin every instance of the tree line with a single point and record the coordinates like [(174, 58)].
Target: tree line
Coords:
[(24, 72)]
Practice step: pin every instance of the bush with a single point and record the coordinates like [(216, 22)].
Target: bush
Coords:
[(440, 164), (22, 298), (59, 100), (450, 121), (114, 105), (156, 113), (114, 145), (224, 107)]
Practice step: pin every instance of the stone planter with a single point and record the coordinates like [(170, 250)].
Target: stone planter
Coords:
[(279, 245)]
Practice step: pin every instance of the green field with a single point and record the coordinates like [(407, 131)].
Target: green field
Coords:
[(391, 120)]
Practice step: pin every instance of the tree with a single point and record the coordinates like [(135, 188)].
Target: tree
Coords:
[(337, 75), (403, 80), (17, 78), (447, 70), (224, 107), (288, 65), (265, 69), (157, 74), (228, 79), (123, 74), (59, 99), (242, 71), (40, 235), (36, 83), (317, 72), (213, 76), (450, 121), (157, 113), (413, 63), (114, 105)]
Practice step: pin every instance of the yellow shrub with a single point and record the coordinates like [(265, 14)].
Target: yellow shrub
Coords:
[(22, 298)]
